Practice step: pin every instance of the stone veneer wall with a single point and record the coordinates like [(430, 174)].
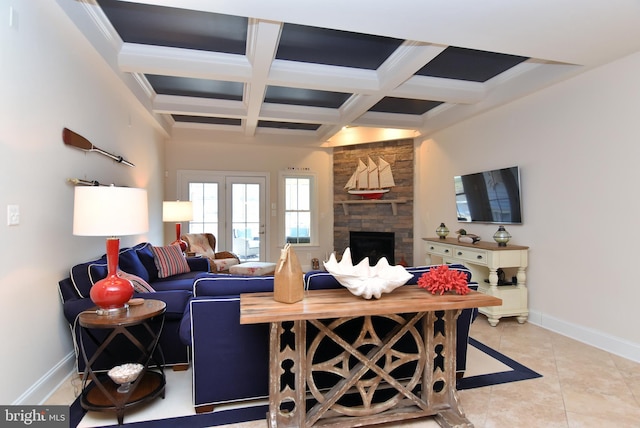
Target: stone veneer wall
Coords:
[(376, 217)]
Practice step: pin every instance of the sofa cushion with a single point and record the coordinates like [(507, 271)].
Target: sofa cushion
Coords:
[(176, 301), (182, 281), (209, 284), (170, 261), (84, 275), (139, 284), (129, 261), (146, 258)]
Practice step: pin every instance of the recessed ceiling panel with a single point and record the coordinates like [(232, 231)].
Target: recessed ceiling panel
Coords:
[(469, 64), (288, 125), (207, 120), (333, 47), (304, 97), (190, 87), (404, 106), (179, 28)]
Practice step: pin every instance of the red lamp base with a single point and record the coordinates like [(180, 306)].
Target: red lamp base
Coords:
[(112, 293), (178, 241), (181, 243)]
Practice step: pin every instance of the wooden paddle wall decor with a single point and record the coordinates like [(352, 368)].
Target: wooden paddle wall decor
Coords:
[(80, 181), (73, 139)]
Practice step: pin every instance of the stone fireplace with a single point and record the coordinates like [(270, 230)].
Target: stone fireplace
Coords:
[(380, 216)]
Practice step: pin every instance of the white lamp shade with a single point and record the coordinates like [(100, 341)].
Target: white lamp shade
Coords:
[(177, 211), (110, 211)]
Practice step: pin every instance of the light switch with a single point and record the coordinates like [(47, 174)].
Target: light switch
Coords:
[(13, 215)]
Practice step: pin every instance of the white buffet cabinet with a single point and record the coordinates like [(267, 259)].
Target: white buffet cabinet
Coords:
[(484, 258)]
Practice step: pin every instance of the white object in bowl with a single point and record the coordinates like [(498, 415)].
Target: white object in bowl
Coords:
[(364, 280), (124, 374)]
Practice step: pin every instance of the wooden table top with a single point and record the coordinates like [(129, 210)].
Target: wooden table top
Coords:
[(258, 308), (483, 245), (134, 315)]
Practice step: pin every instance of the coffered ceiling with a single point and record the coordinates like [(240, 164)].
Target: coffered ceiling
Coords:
[(341, 72)]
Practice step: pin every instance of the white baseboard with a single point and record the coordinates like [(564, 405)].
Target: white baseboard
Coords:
[(598, 339), (49, 383)]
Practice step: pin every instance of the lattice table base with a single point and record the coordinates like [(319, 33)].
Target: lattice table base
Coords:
[(402, 371)]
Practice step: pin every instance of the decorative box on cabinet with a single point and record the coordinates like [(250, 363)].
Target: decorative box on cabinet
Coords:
[(479, 258)]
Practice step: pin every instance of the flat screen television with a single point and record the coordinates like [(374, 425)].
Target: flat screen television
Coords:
[(489, 196)]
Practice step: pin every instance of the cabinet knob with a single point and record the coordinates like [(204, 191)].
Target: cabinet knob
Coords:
[(446, 251), (479, 257), (459, 253), (431, 248)]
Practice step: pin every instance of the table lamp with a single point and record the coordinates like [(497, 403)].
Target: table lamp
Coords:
[(177, 211), (110, 211)]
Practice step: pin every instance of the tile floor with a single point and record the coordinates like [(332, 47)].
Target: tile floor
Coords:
[(581, 387)]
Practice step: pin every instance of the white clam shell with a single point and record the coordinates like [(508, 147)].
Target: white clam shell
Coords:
[(364, 280)]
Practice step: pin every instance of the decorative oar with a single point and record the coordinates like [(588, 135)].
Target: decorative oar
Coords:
[(76, 140), (78, 181)]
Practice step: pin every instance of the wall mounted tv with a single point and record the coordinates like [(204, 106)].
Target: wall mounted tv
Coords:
[(489, 196)]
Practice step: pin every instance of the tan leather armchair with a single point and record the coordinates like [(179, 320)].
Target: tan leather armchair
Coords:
[(204, 244)]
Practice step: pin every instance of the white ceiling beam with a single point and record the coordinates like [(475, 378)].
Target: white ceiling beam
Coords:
[(405, 62), (262, 44), (386, 120), (299, 114), (162, 60), (191, 106), (440, 89), (323, 77)]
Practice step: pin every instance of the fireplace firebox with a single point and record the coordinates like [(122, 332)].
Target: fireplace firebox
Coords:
[(374, 245)]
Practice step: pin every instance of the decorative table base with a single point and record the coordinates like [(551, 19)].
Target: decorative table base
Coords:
[(420, 344)]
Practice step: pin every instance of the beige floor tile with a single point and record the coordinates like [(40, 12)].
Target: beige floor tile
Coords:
[(541, 391), (585, 421), (607, 407), (525, 414)]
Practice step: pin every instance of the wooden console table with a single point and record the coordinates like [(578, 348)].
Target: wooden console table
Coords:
[(478, 258), (363, 367)]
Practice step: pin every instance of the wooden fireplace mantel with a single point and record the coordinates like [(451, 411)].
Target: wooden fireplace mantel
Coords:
[(393, 202)]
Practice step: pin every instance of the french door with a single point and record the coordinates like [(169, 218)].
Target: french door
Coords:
[(230, 205)]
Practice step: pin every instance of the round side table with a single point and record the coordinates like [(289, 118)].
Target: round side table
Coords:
[(99, 392)]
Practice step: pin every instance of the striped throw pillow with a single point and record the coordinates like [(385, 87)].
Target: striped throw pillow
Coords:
[(139, 284), (169, 261)]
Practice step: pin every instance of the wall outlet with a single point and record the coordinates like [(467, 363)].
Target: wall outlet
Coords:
[(13, 215)]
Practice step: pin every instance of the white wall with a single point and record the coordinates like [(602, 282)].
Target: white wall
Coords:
[(51, 79), (193, 150), (578, 146)]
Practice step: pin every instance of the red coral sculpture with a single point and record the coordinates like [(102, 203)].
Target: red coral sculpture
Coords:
[(442, 279)]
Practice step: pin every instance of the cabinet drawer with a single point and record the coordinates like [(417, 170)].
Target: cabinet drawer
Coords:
[(478, 257), (440, 250)]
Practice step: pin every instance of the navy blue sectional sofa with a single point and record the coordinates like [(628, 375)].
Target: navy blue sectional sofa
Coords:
[(230, 361), (138, 260)]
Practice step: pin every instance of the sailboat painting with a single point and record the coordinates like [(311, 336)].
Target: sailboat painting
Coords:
[(371, 181)]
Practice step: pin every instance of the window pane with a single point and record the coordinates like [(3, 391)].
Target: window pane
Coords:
[(246, 220), (298, 210), (204, 197), (304, 197)]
